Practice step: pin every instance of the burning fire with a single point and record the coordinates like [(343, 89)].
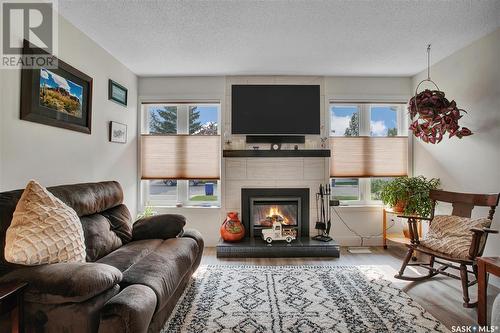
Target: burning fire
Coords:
[(276, 215)]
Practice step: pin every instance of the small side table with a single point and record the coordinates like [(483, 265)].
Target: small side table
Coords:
[(485, 266), (398, 238), (11, 300)]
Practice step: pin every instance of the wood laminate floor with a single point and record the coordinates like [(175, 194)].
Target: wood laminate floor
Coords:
[(440, 296)]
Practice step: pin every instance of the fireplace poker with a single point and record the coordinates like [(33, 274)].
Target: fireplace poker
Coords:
[(329, 223), (320, 225), (323, 213), (322, 196), (317, 210)]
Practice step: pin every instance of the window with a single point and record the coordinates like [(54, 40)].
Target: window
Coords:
[(345, 188), (364, 121), (162, 119), (376, 185), (176, 121), (344, 120), (384, 120), (203, 190)]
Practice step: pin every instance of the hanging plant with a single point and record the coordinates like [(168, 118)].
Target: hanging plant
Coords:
[(433, 115)]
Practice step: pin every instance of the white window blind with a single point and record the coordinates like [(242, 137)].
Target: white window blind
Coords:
[(180, 156), (362, 156)]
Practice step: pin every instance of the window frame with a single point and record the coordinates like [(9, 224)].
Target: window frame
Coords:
[(364, 109), (182, 185)]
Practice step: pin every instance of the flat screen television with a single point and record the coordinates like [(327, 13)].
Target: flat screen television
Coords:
[(275, 109)]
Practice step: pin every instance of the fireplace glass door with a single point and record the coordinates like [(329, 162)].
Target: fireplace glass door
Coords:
[(265, 211)]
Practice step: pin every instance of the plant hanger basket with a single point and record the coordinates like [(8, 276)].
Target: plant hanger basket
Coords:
[(433, 115)]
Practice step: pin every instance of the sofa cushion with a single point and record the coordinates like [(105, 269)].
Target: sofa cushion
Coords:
[(451, 235), (100, 240), (85, 199), (129, 254), (121, 222), (163, 269), (90, 198), (106, 231), (64, 282), (159, 226), (44, 230)]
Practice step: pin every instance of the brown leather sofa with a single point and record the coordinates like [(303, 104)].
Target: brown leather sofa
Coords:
[(133, 277)]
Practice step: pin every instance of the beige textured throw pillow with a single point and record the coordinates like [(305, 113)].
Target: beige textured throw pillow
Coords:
[(451, 234), (44, 230)]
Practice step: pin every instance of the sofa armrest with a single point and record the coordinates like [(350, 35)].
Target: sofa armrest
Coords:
[(162, 226), (130, 311), (64, 282), (196, 235)]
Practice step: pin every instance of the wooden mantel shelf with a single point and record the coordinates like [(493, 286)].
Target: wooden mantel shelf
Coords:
[(277, 153)]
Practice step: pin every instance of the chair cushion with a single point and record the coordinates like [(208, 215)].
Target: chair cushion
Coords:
[(451, 234), (163, 269), (44, 230)]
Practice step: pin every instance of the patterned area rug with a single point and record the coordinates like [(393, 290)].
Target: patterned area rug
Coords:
[(296, 299)]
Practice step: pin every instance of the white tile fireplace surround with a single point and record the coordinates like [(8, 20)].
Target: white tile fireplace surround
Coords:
[(271, 172)]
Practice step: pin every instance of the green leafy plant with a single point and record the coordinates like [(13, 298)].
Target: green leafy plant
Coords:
[(412, 192), (147, 212)]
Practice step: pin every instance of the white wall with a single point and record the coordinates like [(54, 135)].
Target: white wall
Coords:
[(365, 220), (53, 155), (471, 77), (390, 89)]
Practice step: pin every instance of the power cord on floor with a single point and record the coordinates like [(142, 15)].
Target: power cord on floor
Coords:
[(362, 238)]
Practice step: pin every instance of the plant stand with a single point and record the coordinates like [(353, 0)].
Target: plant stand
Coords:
[(396, 237)]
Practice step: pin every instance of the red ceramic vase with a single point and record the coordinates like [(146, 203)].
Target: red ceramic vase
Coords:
[(232, 229)]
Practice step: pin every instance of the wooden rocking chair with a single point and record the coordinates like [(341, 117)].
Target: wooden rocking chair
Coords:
[(462, 206)]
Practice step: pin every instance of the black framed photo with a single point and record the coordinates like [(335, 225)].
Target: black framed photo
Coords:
[(117, 93), (117, 132), (60, 96)]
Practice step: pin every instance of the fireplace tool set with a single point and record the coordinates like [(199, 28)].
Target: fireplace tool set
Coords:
[(323, 213)]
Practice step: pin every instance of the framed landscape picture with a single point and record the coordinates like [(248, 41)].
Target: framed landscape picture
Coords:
[(60, 97), (117, 132), (117, 93)]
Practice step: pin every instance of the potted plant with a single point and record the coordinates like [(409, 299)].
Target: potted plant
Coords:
[(148, 211), (409, 195)]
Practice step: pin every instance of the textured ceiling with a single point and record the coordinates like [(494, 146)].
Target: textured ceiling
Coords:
[(221, 37)]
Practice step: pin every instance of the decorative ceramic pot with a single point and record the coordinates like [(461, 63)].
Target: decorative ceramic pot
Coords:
[(232, 229)]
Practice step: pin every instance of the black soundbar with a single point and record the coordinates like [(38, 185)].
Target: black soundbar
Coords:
[(276, 139)]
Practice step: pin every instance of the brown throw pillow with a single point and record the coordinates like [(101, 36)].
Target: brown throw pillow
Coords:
[(44, 230)]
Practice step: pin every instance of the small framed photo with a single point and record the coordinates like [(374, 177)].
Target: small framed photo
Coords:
[(117, 132), (117, 93)]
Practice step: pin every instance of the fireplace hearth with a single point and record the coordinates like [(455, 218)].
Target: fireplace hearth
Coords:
[(259, 208)]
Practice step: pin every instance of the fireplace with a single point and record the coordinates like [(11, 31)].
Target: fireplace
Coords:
[(262, 207)]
